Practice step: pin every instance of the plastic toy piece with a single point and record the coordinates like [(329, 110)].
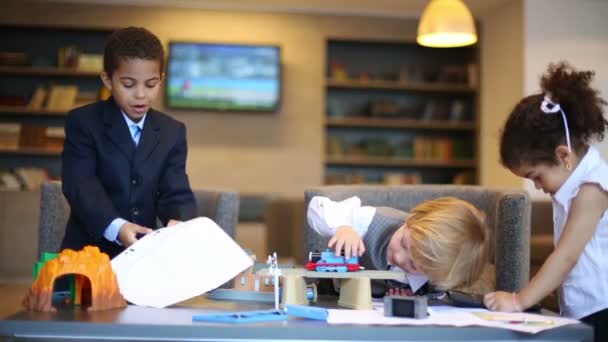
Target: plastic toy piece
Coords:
[(249, 281), (355, 289), (44, 257), (90, 267), (273, 266), (230, 294), (256, 296), (307, 312), (356, 293), (294, 290), (62, 296), (330, 262), (405, 306), (242, 317)]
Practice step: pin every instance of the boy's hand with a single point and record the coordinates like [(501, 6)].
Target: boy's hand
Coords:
[(348, 238), (393, 291), (502, 301), (173, 223), (128, 233)]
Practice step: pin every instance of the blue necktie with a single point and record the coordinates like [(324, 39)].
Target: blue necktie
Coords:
[(136, 134)]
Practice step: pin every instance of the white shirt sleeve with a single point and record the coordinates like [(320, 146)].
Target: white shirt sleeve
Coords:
[(325, 215)]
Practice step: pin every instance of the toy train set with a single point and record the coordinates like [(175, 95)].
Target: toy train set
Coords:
[(328, 261)]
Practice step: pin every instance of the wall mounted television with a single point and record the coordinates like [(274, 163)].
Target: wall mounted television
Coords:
[(223, 77)]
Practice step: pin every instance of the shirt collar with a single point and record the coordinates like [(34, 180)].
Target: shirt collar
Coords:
[(130, 122), (567, 190)]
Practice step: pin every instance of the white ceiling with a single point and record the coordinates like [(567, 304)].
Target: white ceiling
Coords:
[(380, 8)]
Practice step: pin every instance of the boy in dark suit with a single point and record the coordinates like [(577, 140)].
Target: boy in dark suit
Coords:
[(444, 239), (123, 162)]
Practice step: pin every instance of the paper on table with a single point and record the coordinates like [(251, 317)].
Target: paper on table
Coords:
[(525, 322), (179, 262), (452, 316)]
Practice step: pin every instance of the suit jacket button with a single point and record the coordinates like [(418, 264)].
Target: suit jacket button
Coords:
[(134, 211)]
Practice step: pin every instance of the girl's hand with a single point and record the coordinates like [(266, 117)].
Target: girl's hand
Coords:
[(348, 238), (502, 301)]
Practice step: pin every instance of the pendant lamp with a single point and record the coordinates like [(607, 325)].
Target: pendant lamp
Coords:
[(446, 23)]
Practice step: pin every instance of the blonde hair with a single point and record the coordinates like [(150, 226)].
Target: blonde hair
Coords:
[(448, 241)]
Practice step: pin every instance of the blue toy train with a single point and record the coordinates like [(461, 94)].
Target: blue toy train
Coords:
[(328, 261)]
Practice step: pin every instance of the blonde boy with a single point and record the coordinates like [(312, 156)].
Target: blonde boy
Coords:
[(444, 239)]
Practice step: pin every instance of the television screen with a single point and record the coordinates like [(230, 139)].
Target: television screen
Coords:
[(223, 77)]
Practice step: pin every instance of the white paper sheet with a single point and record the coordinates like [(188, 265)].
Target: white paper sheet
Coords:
[(452, 316), (176, 263)]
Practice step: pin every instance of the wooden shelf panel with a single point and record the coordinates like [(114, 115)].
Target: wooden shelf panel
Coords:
[(46, 71), (397, 162), (22, 111), (31, 151), (396, 85), (400, 123)]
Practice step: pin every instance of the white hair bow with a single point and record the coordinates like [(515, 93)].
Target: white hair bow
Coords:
[(550, 107)]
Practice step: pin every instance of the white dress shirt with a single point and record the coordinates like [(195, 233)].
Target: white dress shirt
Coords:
[(326, 216), (585, 289)]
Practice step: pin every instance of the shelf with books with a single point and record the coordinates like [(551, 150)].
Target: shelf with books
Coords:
[(45, 71), (24, 111), (32, 151), (398, 162), (399, 123), (397, 113), (400, 85)]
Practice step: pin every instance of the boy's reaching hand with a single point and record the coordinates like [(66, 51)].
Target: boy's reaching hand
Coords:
[(347, 237), (128, 233), (394, 291)]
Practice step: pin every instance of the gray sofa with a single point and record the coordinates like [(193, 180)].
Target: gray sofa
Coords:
[(33, 221), (19, 211), (508, 216), (220, 206)]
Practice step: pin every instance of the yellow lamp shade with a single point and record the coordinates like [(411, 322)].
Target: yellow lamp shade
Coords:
[(446, 23)]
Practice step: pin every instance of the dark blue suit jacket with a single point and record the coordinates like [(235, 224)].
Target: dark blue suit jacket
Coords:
[(106, 176)]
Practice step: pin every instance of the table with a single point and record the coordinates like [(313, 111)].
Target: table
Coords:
[(136, 323)]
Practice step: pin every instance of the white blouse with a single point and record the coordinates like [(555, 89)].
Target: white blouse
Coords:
[(585, 289)]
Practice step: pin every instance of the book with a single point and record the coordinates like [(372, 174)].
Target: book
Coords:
[(9, 135), (9, 181), (55, 136), (37, 101), (62, 97), (31, 177), (85, 98), (32, 136), (90, 62)]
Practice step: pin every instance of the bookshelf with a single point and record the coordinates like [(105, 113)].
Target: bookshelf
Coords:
[(24, 111), (399, 113), (44, 72), (400, 123), (32, 151), (395, 85)]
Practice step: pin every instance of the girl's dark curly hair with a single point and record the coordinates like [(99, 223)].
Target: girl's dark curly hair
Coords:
[(530, 136), (129, 43)]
